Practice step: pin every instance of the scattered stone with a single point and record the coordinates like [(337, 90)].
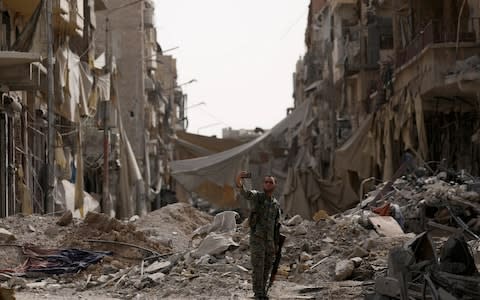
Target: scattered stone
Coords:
[(357, 261), (109, 269), (103, 278), (31, 228), (158, 266), (328, 240), (304, 256), (156, 277), (65, 219), (188, 258), (16, 282), (205, 260), (117, 264), (134, 219), (300, 230), (54, 287), (37, 285), (369, 244), (358, 252), (295, 220), (51, 231), (6, 236), (344, 269)]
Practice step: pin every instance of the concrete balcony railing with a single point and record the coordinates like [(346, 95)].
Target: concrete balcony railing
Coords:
[(433, 33)]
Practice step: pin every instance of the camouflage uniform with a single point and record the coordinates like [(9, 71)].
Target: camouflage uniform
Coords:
[(263, 218)]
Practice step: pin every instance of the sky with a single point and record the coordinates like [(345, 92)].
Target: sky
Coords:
[(242, 55)]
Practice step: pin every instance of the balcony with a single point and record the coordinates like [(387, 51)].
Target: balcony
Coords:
[(22, 71), (337, 4), (433, 33)]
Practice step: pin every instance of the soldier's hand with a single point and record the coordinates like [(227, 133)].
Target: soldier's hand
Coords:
[(238, 180)]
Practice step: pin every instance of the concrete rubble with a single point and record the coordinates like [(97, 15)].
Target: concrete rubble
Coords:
[(343, 256)]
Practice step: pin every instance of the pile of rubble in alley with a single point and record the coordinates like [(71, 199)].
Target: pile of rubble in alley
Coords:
[(411, 237)]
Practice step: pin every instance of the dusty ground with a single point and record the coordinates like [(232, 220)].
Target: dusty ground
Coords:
[(307, 270)]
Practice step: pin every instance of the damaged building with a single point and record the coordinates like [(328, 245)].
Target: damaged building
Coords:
[(386, 79), (115, 109)]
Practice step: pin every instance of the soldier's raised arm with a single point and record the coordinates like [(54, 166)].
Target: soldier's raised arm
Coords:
[(247, 194)]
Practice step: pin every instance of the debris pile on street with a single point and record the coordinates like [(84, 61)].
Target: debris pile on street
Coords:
[(391, 243)]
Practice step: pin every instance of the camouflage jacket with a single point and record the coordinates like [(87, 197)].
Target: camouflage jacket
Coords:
[(265, 213)]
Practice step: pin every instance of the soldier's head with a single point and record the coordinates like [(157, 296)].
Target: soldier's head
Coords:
[(269, 183)]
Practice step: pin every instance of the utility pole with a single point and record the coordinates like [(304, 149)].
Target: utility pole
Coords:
[(106, 132), (49, 201)]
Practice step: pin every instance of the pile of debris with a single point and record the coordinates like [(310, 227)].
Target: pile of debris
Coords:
[(415, 271), (345, 256)]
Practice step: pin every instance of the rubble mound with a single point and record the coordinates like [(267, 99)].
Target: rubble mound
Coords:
[(173, 224), (97, 230)]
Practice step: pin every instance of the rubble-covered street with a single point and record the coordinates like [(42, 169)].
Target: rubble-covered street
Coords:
[(179, 252)]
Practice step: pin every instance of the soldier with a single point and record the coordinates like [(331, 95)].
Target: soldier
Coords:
[(263, 220)]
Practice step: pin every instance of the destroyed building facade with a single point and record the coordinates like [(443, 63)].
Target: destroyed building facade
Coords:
[(115, 116), (386, 78)]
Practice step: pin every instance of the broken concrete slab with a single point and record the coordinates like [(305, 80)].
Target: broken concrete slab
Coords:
[(386, 226), (358, 252), (294, 221), (357, 261), (37, 285), (6, 236), (344, 269), (156, 277), (158, 266)]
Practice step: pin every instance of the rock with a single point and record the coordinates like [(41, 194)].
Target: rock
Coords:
[(31, 228), (37, 285), (300, 230), (295, 220), (344, 269), (65, 219), (158, 266), (188, 258), (328, 240), (103, 278), (109, 269), (369, 244), (141, 284), (357, 261), (229, 259), (359, 252), (51, 231), (304, 256), (6, 236), (117, 264), (104, 223), (134, 218), (157, 277), (16, 282), (205, 260), (54, 287)]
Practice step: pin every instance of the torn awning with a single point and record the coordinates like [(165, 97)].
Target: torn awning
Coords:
[(212, 177)]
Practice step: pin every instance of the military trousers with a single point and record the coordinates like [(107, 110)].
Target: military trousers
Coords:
[(262, 253)]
